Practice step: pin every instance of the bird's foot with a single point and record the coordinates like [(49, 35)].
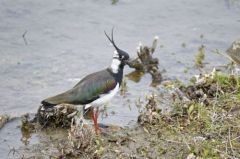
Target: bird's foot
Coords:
[(98, 130)]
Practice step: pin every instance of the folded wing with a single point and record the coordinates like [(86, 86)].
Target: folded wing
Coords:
[(87, 90)]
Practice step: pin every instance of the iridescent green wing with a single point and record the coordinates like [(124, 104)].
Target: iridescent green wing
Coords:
[(93, 86)]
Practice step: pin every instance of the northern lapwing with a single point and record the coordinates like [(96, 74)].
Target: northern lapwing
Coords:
[(95, 89)]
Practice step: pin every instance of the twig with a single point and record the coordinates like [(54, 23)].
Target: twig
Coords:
[(221, 53), (235, 138), (177, 142), (223, 153), (11, 150), (184, 140), (24, 37), (226, 148), (50, 156), (230, 143), (187, 144)]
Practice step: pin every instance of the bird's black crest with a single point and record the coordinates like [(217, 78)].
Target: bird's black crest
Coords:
[(111, 39), (121, 52)]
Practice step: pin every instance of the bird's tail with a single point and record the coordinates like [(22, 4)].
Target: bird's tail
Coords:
[(55, 100)]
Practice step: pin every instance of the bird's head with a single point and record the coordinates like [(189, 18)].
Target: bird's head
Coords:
[(119, 54)]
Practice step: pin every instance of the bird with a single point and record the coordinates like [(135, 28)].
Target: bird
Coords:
[(96, 89)]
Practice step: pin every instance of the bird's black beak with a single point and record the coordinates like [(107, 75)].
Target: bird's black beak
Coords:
[(127, 61)]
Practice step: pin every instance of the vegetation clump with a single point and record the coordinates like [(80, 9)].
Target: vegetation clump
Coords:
[(200, 56), (150, 113), (3, 120), (210, 85), (58, 116), (234, 52), (196, 128), (80, 142)]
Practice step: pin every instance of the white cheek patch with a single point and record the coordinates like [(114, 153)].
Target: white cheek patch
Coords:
[(115, 65), (115, 54), (115, 62)]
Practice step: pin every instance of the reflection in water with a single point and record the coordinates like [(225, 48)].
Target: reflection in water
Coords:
[(27, 129), (123, 88), (114, 2), (26, 135), (155, 83), (135, 76)]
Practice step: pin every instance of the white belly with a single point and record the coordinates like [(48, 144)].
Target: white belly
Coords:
[(104, 99)]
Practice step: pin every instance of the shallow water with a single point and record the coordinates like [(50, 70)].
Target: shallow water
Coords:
[(65, 42)]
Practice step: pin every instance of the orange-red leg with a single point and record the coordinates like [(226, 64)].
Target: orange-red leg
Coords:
[(94, 118)]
